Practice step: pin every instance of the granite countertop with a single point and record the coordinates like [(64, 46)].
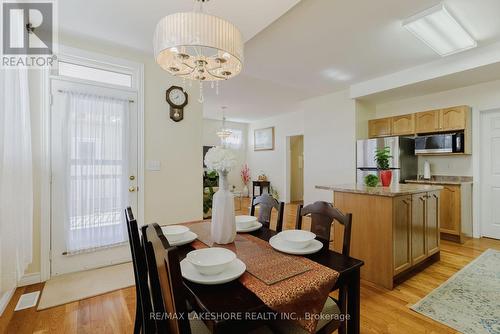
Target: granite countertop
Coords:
[(444, 179), (392, 191)]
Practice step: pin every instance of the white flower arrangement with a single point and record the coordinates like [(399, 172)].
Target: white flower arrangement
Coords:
[(220, 159)]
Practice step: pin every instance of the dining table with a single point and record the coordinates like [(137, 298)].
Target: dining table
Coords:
[(219, 304)]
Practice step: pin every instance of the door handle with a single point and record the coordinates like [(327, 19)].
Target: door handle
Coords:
[(131, 177), (131, 189)]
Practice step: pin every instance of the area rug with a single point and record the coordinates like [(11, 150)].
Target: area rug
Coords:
[(68, 288), (469, 301)]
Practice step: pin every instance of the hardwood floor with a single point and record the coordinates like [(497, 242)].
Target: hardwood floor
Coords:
[(382, 311)]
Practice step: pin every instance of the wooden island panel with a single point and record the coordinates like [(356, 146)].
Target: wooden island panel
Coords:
[(371, 234), (391, 234)]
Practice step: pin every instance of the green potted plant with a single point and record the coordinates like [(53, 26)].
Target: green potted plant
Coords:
[(371, 180), (382, 157), (210, 180)]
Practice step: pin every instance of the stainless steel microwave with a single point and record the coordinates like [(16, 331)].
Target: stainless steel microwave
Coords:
[(441, 143)]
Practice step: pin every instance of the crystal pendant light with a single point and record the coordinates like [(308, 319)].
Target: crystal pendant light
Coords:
[(223, 133), (199, 47)]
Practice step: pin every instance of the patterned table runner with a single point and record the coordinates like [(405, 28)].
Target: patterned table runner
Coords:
[(285, 283)]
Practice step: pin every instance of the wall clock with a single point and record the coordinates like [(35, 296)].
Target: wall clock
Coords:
[(177, 98)]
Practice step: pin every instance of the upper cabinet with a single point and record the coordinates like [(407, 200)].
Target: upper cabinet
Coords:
[(432, 121), (381, 127), (443, 120), (428, 121), (454, 118), (403, 125)]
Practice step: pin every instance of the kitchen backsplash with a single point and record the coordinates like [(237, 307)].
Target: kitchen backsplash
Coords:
[(447, 165)]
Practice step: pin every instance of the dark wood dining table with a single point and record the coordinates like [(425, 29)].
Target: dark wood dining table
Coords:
[(214, 301)]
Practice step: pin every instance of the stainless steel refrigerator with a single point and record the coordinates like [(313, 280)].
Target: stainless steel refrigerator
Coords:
[(404, 163)]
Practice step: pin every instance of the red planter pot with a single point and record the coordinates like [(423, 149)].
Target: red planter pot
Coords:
[(386, 177)]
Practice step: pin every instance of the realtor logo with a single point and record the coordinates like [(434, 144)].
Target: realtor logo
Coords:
[(28, 33)]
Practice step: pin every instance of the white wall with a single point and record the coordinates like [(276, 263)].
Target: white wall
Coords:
[(272, 163), (173, 194), (480, 97), (329, 144), (210, 138), (328, 124)]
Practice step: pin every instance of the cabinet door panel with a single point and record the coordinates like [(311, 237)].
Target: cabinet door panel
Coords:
[(402, 233), (418, 213), (454, 118), (450, 210), (427, 121), (403, 125), (432, 223), (381, 127)]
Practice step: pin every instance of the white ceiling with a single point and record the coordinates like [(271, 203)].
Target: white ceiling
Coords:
[(133, 22), (317, 47)]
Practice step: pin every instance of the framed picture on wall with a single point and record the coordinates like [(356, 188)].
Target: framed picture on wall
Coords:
[(263, 139)]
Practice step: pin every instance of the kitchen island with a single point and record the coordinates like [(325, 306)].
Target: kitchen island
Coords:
[(394, 230)]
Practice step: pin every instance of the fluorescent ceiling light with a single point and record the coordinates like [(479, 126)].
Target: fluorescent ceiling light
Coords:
[(440, 31)]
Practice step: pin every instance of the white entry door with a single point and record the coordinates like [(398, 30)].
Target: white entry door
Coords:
[(490, 174), (94, 166)]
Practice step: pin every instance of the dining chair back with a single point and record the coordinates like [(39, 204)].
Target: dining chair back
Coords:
[(266, 203), (143, 300), (167, 290), (323, 215)]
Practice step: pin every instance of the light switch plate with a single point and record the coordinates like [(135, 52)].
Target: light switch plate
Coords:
[(153, 165)]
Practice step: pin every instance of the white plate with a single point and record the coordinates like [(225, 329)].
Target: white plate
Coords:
[(188, 238), (255, 227), (245, 219), (233, 271), (281, 246)]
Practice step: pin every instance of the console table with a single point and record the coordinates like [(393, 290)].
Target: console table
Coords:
[(261, 185)]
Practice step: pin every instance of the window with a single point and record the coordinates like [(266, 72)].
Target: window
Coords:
[(234, 141), (94, 74)]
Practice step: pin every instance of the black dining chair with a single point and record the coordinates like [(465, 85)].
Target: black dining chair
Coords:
[(323, 216), (167, 290), (266, 204), (142, 324)]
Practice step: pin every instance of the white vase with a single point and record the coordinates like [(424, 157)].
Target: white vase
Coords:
[(245, 191), (223, 227)]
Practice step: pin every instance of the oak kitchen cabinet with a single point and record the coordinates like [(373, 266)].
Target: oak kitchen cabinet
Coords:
[(393, 229), (427, 121), (381, 127), (403, 125), (455, 118), (443, 120), (455, 213)]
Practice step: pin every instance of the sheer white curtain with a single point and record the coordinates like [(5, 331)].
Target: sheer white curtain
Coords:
[(235, 140), (16, 178), (96, 163)]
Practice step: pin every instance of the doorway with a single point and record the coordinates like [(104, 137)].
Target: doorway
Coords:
[(490, 174), (94, 163), (296, 162)]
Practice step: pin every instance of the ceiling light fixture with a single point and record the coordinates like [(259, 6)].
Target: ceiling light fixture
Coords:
[(437, 28), (199, 47), (224, 132)]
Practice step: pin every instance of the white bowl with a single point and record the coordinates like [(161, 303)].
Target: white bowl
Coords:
[(244, 222), (297, 239), (211, 261), (174, 232)]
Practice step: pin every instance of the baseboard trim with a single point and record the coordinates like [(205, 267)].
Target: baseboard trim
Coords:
[(5, 299), (29, 279)]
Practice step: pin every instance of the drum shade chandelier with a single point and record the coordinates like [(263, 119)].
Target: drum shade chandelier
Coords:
[(198, 46)]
